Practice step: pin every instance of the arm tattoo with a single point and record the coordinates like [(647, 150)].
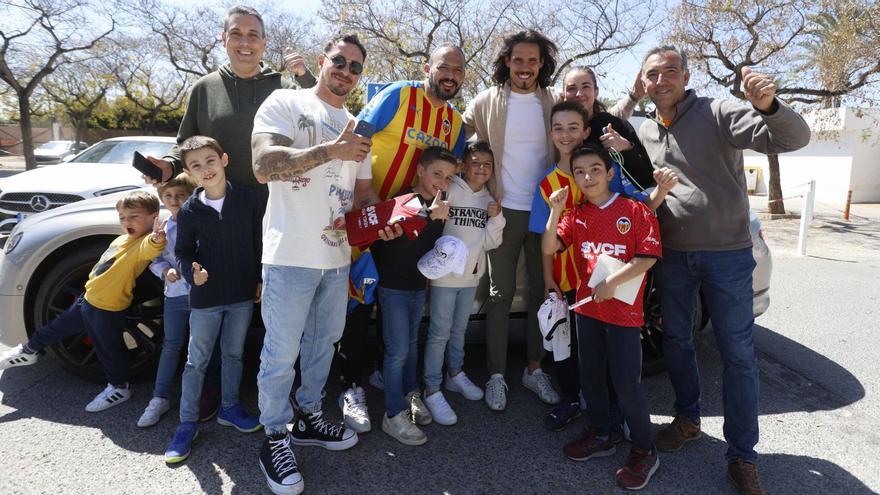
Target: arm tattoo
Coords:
[(275, 160)]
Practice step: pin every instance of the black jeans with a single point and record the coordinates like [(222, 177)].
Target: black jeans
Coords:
[(103, 327), (567, 369), (352, 350), (609, 349)]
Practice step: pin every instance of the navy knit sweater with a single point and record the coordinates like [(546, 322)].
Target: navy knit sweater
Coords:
[(228, 245)]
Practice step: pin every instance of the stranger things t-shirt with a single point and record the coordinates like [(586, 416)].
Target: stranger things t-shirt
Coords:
[(304, 224), (621, 228)]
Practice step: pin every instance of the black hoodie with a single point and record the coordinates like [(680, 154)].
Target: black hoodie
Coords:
[(222, 106)]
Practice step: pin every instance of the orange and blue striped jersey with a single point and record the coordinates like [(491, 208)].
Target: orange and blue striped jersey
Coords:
[(565, 273), (406, 123)]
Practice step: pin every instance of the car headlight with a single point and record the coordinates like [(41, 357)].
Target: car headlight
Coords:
[(12, 242)]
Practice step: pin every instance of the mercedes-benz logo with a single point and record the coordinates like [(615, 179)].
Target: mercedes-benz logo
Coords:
[(39, 203)]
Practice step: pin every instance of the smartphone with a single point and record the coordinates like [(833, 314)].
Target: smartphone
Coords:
[(606, 130), (146, 167), (365, 129)]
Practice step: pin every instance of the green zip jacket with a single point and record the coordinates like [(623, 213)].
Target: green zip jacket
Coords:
[(222, 106)]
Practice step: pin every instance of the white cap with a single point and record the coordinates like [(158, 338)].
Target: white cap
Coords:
[(450, 255)]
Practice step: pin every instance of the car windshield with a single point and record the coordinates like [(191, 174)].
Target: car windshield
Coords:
[(122, 151), (54, 146)]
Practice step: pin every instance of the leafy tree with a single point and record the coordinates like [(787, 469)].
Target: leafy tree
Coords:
[(78, 90), (37, 37), (776, 37)]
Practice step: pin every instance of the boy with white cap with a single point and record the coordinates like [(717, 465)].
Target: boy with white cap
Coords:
[(475, 218)]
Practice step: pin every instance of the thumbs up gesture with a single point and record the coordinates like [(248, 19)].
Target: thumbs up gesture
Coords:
[(558, 197), (349, 146), (294, 62), (759, 89), (439, 209), (611, 139), (200, 275)]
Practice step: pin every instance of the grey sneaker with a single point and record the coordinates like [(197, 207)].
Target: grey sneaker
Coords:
[(462, 384), (154, 411), (17, 357), (496, 392), (420, 413), (539, 383), (441, 411), (402, 429), (353, 402)]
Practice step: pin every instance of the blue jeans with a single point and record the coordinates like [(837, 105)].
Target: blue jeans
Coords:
[(402, 311), (175, 320), (450, 311), (304, 315), (231, 323), (103, 327), (726, 281)]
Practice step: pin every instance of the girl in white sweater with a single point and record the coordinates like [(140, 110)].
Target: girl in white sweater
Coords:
[(475, 218)]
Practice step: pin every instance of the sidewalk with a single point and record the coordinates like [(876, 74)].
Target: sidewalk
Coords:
[(12, 162), (829, 235)]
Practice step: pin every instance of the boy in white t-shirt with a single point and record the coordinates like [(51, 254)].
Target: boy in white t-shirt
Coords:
[(475, 218), (317, 169)]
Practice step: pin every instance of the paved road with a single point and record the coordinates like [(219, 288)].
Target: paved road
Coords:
[(820, 406)]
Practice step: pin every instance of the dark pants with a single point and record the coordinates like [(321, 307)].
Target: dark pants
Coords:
[(567, 369), (725, 278), (351, 350), (103, 327), (610, 349)]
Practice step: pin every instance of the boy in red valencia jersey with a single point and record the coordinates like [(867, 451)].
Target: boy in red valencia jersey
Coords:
[(608, 330)]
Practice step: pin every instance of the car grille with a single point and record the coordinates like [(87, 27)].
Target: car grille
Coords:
[(35, 202)]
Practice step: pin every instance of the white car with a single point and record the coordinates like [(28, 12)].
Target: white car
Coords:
[(47, 259), (57, 151), (104, 168)]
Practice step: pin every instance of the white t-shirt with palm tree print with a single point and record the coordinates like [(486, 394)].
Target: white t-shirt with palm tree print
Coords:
[(304, 224)]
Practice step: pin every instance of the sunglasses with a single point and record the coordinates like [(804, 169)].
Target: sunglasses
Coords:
[(341, 62)]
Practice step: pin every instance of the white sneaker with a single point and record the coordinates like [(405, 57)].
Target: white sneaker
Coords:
[(440, 409), (353, 403), (402, 429), (539, 383), (17, 357), (462, 384), (376, 380), (109, 397), (420, 413), (496, 392), (154, 411)]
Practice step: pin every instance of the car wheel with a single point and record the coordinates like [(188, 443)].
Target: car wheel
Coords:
[(653, 360), (143, 325)]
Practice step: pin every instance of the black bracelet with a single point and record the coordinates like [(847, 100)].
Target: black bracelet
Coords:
[(633, 97)]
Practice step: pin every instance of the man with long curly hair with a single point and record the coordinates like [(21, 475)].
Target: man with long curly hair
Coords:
[(513, 116)]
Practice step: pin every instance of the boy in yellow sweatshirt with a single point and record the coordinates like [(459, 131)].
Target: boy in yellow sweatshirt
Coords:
[(101, 310)]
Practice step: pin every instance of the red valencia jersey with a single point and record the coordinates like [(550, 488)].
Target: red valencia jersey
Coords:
[(621, 228)]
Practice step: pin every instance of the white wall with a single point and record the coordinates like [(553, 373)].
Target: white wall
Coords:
[(843, 155)]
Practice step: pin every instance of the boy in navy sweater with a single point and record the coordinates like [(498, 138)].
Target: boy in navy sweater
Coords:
[(218, 242), (402, 299)]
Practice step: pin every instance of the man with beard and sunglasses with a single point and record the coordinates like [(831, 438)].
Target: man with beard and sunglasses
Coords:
[(316, 167), (408, 116)]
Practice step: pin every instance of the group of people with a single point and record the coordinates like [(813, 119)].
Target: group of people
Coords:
[(258, 189)]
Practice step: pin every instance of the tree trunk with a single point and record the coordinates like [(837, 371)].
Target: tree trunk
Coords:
[(774, 187), (80, 126), (27, 135)]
